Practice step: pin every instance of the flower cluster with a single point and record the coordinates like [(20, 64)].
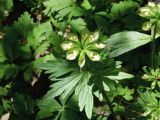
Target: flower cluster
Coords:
[(86, 45), (152, 75), (152, 12)]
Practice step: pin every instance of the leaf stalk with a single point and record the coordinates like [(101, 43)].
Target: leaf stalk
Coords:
[(153, 46), (110, 105)]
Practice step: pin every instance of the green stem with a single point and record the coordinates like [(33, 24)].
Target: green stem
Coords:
[(110, 106), (153, 34)]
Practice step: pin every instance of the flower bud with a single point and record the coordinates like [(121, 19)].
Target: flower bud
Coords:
[(81, 60), (145, 76), (146, 26)]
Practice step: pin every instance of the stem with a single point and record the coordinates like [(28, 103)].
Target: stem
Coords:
[(110, 106), (153, 34)]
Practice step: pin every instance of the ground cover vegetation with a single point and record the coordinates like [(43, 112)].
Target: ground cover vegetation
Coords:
[(80, 59)]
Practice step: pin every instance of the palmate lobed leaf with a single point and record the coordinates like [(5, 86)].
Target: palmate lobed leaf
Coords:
[(122, 8), (24, 25), (66, 85), (66, 13), (73, 11), (47, 107), (38, 39), (5, 5), (58, 109), (78, 24), (57, 68), (123, 42), (3, 91), (150, 104), (86, 4), (86, 100), (54, 5), (120, 76)]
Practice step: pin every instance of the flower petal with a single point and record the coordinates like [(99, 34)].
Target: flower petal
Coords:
[(151, 4), (66, 45), (72, 37), (81, 60), (94, 37), (94, 56), (146, 26), (72, 54), (100, 45)]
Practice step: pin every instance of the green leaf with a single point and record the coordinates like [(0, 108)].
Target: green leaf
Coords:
[(86, 4), (3, 91), (150, 104), (78, 24), (68, 115), (60, 68), (73, 11), (24, 25), (9, 4), (148, 97), (86, 100), (66, 85), (128, 94), (120, 76), (122, 8), (124, 92), (5, 5), (58, 109), (38, 40), (106, 88), (42, 47), (118, 108), (6, 104), (123, 42), (54, 5), (2, 54), (23, 104), (47, 107), (8, 71)]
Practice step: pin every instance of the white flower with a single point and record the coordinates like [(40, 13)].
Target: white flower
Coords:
[(6, 13), (144, 11), (60, 33), (145, 76), (146, 26), (151, 4), (72, 37), (1, 35), (72, 55), (96, 58), (94, 37), (67, 46), (100, 45)]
